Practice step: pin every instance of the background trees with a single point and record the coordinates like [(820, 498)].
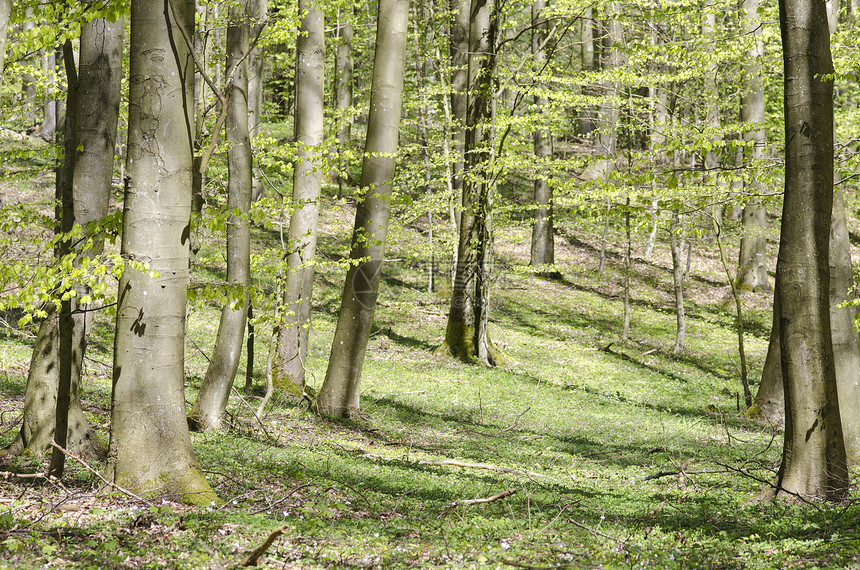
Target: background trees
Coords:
[(652, 123)]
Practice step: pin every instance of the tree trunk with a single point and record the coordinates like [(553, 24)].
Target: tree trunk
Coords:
[(339, 395), (5, 14), (208, 411), (87, 180), (542, 251), (48, 129), (846, 348), (289, 367), (150, 448), (466, 335), (459, 50), (676, 246), (343, 88), (258, 10), (813, 459), (770, 399), (752, 259)]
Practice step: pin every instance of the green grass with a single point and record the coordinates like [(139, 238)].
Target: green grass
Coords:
[(575, 427)]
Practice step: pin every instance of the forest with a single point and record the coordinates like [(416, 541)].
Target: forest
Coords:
[(467, 284)]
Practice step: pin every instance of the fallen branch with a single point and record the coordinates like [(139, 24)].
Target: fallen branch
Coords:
[(483, 500), (253, 558), (456, 463), (6, 474)]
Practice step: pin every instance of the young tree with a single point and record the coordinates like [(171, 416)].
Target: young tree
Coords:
[(208, 410), (288, 370), (150, 447), (339, 395), (84, 185), (813, 458), (542, 251)]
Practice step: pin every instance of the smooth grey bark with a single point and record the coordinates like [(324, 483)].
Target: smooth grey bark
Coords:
[(542, 250), (459, 52), (85, 187), (846, 344), (752, 257), (676, 245), (48, 128), (258, 13), (288, 372), (813, 459), (343, 97), (211, 404), (150, 447), (5, 14), (339, 395), (466, 335)]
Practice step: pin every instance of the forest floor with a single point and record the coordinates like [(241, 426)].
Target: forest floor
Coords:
[(583, 452)]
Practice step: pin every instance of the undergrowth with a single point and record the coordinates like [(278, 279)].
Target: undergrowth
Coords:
[(588, 451)]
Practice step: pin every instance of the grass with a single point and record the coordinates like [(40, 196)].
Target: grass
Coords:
[(620, 455)]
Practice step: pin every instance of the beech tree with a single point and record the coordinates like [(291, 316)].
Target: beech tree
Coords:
[(813, 459), (84, 186), (211, 403), (293, 330), (752, 262), (339, 394), (150, 447)]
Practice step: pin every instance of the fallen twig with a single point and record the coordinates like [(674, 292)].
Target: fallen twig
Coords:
[(252, 558), (483, 500)]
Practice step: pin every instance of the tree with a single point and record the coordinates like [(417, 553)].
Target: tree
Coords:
[(84, 186), (813, 458), (293, 330), (339, 395), (258, 12), (752, 263), (5, 14), (150, 447), (466, 334), (542, 251), (208, 410)]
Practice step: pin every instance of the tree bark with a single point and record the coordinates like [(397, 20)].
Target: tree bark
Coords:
[(846, 348), (289, 368), (5, 14), (343, 93), (258, 10), (85, 187), (466, 335), (675, 244), (208, 411), (813, 459), (542, 250), (752, 258), (150, 447), (339, 395)]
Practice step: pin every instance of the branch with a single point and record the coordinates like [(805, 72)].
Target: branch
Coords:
[(99, 475), (481, 501), (252, 558)]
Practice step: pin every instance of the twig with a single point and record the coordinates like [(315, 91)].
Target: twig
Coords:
[(99, 475), (483, 500), (282, 499), (253, 413), (596, 532), (252, 558)]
